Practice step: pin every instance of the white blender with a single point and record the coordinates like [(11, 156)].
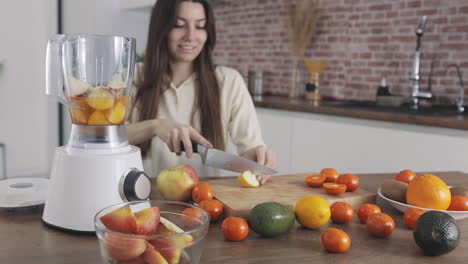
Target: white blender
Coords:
[(92, 76)]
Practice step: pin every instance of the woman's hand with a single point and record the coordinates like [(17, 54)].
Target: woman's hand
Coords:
[(263, 155), (173, 133)]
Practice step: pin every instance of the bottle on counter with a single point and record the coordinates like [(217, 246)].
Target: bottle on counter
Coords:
[(256, 84)]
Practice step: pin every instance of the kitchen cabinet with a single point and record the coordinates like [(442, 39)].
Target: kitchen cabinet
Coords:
[(310, 142)]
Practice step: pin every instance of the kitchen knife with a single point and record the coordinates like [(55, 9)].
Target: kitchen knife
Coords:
[(223, 160)]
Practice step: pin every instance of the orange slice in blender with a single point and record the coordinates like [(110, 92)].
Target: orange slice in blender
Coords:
[(116, 115), (97, 118), (100, 98)]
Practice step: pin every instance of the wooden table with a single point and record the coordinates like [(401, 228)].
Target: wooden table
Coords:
[(24, 239)]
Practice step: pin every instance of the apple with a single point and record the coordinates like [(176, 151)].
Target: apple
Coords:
[(176, 183), (152, 256), (122, 248), (167, 227), (167, 250), (147, 221), (121, 220)]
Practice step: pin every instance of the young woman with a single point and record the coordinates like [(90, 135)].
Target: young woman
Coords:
[(181, 96)]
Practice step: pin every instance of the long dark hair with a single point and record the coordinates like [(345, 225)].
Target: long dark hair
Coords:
[(156, 73)]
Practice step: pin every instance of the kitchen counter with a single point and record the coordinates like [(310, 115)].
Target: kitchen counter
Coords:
[(24, 239), (366, 111)]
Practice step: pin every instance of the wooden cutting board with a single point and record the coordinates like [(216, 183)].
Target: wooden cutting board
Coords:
[(284, 189)]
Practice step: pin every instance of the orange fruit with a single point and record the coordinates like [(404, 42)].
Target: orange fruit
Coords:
[(411, 216), (341, 212), (367, 210), (315, 180), (380, 224), (214, 207), (192, 216), (331, 174), (202, 191), (335, 240), (405, 176), (428, 191), (235, 228), (350, 180), (459, 203), (334, 188)]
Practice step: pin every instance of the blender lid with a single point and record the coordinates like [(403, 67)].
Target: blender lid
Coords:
[(23, 192)]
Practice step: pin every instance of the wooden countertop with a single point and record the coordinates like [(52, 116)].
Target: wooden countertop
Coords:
[(24, 239), (391, 115)]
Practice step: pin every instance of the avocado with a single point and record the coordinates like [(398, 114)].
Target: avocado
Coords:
[(459, 190), (271, 219), (395, 190), (436, 233)]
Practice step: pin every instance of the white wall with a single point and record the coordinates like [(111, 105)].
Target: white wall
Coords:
[(28, 121)]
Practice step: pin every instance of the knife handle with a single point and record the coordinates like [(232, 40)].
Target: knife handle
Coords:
[(194, 146)]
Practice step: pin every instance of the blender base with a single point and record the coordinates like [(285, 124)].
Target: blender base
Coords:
[(84, 181)]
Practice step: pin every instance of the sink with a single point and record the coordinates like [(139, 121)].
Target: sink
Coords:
[(434, 110)]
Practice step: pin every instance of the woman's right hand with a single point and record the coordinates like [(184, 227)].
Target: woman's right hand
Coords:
[(174, 134)]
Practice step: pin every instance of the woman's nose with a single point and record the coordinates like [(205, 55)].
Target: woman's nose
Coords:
[(189, 33)]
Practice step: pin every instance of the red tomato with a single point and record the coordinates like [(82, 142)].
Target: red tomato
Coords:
[(213, 207), (341, 212), (202, 191), (235, 228), (350, 180)]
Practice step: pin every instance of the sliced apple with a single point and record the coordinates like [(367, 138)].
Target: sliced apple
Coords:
[(79, 116), (98, 118), (167, 250), (116, 114), (77, 87), (167, 227), (123, 248), (100, 98), (120, 220), (147, 220), (152, 256)]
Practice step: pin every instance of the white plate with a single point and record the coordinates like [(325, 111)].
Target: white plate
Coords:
[(23, 192), (402, 207)]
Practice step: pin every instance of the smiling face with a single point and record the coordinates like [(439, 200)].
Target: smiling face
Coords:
[(188, 36)]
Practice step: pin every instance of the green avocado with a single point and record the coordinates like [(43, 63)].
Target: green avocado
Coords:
[(436, 233), (271, 219)]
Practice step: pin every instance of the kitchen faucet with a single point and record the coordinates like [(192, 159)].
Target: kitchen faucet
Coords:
[(460, 101), (416, 94)]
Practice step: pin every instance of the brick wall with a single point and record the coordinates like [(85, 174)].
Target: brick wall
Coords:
[(362, 39)]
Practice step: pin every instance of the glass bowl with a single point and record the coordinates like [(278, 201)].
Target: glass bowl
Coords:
[(179, 237)]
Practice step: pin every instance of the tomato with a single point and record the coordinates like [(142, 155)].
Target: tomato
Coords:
[(366, 210), (334, 188), (350, 180), (405, 176), (213, 207), (335, 240), (411, 216), (331, 174), (315, 180), (192, 216), (202, 191), (380, 224), (459, 203), (235, 228), (341, 212)]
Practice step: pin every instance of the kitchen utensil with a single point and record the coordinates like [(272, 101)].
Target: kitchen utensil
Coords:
[(23, 192), (284, 189), (92, 76), (223, 160), (402, 207)]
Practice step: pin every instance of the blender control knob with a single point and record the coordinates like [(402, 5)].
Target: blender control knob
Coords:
[(136, 186)]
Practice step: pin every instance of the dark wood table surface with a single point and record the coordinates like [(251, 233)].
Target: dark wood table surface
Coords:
[(24, 239)]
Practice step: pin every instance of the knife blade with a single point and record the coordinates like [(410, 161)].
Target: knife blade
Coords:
[(227, 161)]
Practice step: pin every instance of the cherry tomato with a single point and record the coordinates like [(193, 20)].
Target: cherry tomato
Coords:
[(202, 191), (334, 188), (380, 224), (350, 180), (192, 216), (335, 240), (213, 207), (405, 176), (235, 228), (458, 203), (411, 216), (315, 180), (341, 212), (331, 174), (366, 210)]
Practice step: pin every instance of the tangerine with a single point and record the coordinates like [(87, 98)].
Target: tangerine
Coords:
[(405, 176), (331, 174), (428, 191)]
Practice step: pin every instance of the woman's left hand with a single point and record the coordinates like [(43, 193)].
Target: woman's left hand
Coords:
[(263, 155)]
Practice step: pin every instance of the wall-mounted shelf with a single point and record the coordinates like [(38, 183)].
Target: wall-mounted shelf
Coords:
[(136, 4)]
